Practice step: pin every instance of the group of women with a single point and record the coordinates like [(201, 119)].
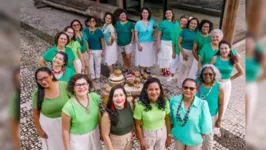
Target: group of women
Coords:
[(67, 115)]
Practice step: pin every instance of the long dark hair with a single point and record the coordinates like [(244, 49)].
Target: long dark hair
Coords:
[(232, 57), (74, 35), (113, 114), (65, 57), (17, 91), (40, 92), (145, 8), (112, 18), (76, 20), (173, 17), (144, 99), (193, 18)]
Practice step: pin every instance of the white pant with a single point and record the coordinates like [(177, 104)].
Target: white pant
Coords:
[(155, 139), (251, 93), (95, 61), (181, 146), (194, 69), (184, 67), (165, 54), (227, 86), (208, 142), (174, 64), (79, 65)]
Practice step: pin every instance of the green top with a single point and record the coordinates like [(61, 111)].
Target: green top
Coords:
[(253, 67), (94, 38), (125, 121), (68, 74), (176, 32), (124, 33), (201, 40), (224, 67), (199, 121), (81, 122), (50, 53), (75, 46), (82, 42), (52, 108), (212, 98), (167, 29), (153, 119), (13, 104), (188, 38), (107, 32), (206, 53)]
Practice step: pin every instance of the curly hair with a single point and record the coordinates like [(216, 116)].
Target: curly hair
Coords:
[(206, 21), (56, 38), (144, 99), (113, 114), (112, 18), (73, 80), (215, 71)]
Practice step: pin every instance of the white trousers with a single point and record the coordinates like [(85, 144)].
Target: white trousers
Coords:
[(252, 94), (95, 63), (194, 70), (155, 139), (79, 65), (208, 142), (174, 64), (227, 86), (53, 129), (184, 67)]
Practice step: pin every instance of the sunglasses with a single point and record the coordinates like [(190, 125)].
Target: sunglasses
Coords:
[(190, 88)]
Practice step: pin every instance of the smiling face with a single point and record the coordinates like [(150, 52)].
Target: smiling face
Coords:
[(76, 26), (205, 28), (153, 92), (189, 89), (169, 14), (215, 38), (123, 16), (92, 22), (44, 79), (208, 75), (58, 60), (193, 24), (70, 33), (108, 19), (62, 40), (224, 50), (183, 23), (145, 14), (81, 87), (119, 98)]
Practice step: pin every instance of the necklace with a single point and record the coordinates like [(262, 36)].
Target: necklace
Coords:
[(205, 96), (183, 121), (85, 107), (58, 72)]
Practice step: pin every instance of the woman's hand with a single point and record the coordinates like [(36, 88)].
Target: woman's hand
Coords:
[(185, 56), (139, 47), (144, 146), (173, 55), (83, 69), (42, 134), (133, 136), (158, 47), (168, 141), (203, 136), (102, 53), (218, 123)]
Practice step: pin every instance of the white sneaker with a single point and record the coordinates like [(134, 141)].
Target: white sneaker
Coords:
[(169, 79)]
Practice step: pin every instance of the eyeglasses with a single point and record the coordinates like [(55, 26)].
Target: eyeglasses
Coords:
[(75, 25), (81, 85), (92, 21), (42, 79), (190, 88), (207, 74), (205, 26)]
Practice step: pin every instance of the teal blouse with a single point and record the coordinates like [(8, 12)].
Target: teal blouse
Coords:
[(199, 121), (224, 67)]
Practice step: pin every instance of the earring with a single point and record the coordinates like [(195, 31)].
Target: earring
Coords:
[(125, 103), (113, 107)]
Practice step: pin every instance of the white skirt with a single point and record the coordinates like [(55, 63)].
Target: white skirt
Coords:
[(88, 141), (145, 58), (251, 93), (165, 54), (110, 54), (194, 69), (53, 128)]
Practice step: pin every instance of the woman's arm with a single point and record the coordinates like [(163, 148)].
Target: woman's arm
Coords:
[(158, 41), (82, 60), (133, 36), (221, 108), (36, 117), (113, 38), (194, 51), (139, 135), (75, 66), (240, 71), (137, 41), (102, 43), (15, 132), (173, 51), (168, 127), (65, 130), (99, 123), (263, 64), (106, 126), (43, 62), (213, 60)]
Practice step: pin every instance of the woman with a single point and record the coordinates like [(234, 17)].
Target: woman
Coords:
[(61, 40), (96, 47), (255, 63), (81, 116), (125, 39), (145, 55), (47, 103), (210, 90), (164, 41), (110, 46), (153, 107), (225, 61), (190, 118), (205, 27), (178, 27), (82, 39), (14, 109), (185, 44), (59, 69), (117, 121), (75, 46)]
